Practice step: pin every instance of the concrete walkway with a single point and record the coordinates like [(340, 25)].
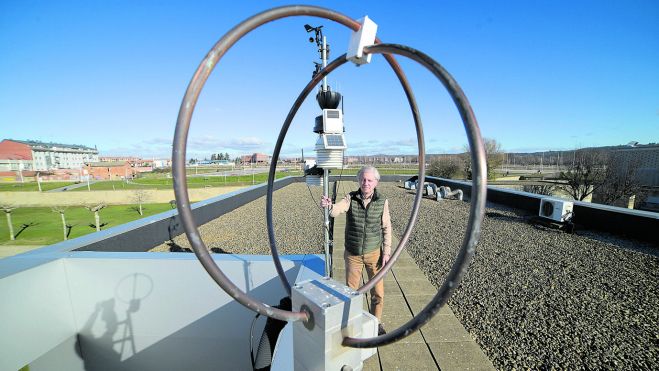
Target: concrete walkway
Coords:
[(72, 186), (443, 343)]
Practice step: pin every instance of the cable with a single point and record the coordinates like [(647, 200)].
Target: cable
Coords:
[(314, 201), (322, 213), (251, 341)]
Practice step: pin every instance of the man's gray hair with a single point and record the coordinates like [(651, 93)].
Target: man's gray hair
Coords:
[(364, 169)]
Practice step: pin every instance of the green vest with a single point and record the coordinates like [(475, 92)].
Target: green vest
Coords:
[(364, 224)]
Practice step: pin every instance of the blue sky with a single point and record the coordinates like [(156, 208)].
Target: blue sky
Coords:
[(540, 75)]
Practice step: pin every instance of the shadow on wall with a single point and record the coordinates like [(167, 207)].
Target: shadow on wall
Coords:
[(105, 341), (174, 247), (110, 340)]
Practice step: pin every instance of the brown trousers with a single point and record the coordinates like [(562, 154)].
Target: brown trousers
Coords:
[(354, 266)]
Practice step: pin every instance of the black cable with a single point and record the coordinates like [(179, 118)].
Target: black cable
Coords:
[(251, 341), (314, 201), (322, 213)]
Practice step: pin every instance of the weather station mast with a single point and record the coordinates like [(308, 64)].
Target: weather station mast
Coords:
[(331, 140)]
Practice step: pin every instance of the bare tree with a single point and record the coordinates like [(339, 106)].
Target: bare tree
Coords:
[(61, 210), (621, 180), (494, 157), (445, 167), (8, 209), (97, 218), (140, 196), (585, 175), (540, 189)]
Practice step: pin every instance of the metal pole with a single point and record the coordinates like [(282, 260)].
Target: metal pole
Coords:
[(20, 173), (326, 223), (324, 58)]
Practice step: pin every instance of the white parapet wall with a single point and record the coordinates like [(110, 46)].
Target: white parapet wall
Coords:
[(131, 311)]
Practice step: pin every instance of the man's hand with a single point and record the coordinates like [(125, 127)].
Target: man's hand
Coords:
[(385, 259), (325, 201)]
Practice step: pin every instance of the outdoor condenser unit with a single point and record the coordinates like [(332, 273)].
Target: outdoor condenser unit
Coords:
[(556, 209)]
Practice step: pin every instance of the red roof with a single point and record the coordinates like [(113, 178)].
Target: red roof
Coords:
[(14, 150)]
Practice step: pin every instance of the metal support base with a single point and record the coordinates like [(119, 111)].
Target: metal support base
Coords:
[(335, 311)]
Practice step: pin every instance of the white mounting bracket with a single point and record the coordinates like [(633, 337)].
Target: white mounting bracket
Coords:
[(335, 311), (359, 39)]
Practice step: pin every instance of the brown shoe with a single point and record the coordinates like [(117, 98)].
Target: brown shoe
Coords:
[(381, 330)]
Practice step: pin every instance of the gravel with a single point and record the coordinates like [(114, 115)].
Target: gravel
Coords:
[(538, 298), (297, 218), (533, 298)]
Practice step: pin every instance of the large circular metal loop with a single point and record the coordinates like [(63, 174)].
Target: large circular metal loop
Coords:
[(478, 184), (181, 135), (475, 142)]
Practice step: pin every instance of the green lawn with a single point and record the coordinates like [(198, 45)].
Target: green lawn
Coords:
[(164, 181), (42, 226), (32, 186)]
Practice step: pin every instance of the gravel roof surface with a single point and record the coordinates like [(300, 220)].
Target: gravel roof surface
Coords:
[(532, 297), (297, 217), (539, 298)]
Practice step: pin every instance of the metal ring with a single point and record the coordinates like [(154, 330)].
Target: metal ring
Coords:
[(476, 211), (180, 184), (180, 142), (478, 183)]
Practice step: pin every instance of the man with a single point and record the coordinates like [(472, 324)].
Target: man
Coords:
[(367, 234)]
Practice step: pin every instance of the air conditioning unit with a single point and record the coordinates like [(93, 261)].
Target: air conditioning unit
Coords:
[(556, 209)]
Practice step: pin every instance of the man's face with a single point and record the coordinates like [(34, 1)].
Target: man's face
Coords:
[(368, 183)]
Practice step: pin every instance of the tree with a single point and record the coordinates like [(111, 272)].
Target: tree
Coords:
[(494, 156), (140, 196), (620, 181), (97, 218), (213, 157), (8, 209), (585, 175), (543, 189), (61, 210), (444, 167), (226, 156)]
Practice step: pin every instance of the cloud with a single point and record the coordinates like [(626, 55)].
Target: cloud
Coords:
[(373, 146), (197, 146)]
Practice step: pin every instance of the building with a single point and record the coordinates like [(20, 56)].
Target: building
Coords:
[(34, 155), (260, 158), (160, 163), (256, 158), (644, 161), (138, 164), (116, 170)]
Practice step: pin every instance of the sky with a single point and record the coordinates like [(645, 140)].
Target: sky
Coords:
[(540, 75)]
